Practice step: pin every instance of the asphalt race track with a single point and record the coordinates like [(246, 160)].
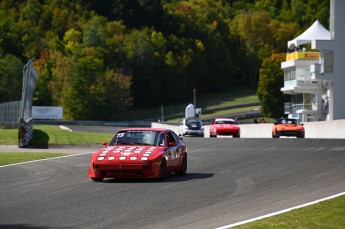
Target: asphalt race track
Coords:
[(228, 180)]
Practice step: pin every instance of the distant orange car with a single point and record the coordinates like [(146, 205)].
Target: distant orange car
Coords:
[(288, 127)]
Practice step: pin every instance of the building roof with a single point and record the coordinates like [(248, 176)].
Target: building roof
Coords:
[(314, 32)]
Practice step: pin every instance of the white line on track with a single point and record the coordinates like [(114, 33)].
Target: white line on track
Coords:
[(46, 159), (280, 212)]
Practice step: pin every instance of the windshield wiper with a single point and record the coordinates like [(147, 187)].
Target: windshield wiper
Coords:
[(143, 144), (123, 143)]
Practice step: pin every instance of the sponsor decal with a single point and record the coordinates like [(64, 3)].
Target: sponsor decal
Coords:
[(122, 158), (111, 158), (144, 158), (100, 158), (133, 158)]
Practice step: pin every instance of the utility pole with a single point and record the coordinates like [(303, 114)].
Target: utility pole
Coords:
[(194, 101)]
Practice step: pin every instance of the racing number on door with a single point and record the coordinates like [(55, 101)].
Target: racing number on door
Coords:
[(173, 150)]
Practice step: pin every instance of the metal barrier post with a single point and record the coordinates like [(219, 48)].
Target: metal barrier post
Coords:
[(25, 122)]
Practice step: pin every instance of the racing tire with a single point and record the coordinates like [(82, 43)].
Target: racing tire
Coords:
[(277, 135), (163, 169), (97, 179), (183, 168), (301, 135)]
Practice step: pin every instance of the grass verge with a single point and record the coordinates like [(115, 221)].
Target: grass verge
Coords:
[(53, 135), (327, 214), (7, 158)]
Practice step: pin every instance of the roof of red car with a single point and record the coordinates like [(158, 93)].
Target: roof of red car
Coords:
[(225, 119)]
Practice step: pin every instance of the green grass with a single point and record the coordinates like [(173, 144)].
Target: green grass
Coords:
[(327, 214), (53, 135), (8, 136), (232, 101), (14, 157), (221, 112), (235, 96)]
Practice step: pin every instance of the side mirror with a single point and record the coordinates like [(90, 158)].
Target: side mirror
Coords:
[(180, 137), (105, 144)]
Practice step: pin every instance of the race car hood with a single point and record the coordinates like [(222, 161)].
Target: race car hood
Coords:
[(127, 153), (290, 127)]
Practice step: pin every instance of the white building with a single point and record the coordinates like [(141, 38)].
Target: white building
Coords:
[(315, 79)]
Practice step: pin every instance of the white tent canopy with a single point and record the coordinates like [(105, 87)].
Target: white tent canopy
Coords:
[(314, 32)]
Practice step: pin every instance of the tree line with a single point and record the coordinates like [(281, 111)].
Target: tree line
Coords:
[(98, 59)]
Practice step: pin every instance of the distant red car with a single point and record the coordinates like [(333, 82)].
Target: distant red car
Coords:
[(224, 126), (140, 153)]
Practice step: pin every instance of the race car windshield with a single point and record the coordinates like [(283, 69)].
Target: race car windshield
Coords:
[(138, 137), (225, 122), (193, 123), (288, 121)]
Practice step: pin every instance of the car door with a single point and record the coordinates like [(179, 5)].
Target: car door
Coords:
[(173, 150)]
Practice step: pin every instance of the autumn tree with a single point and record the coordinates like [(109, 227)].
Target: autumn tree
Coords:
[(271, 80)]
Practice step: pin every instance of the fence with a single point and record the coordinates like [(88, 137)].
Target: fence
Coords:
[(9, 115)]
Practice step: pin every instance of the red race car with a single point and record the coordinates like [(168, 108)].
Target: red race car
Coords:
[(224, 126), (140, 153)]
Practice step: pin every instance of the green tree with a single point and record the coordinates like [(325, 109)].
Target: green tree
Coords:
[(271, 80), (80, 100), (11, 76), (94, 33), (113, 95), (9, 35), (42, 93)]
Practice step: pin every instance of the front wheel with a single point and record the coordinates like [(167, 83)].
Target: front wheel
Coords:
[(276, 135), (301, 135), (163, 169)]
